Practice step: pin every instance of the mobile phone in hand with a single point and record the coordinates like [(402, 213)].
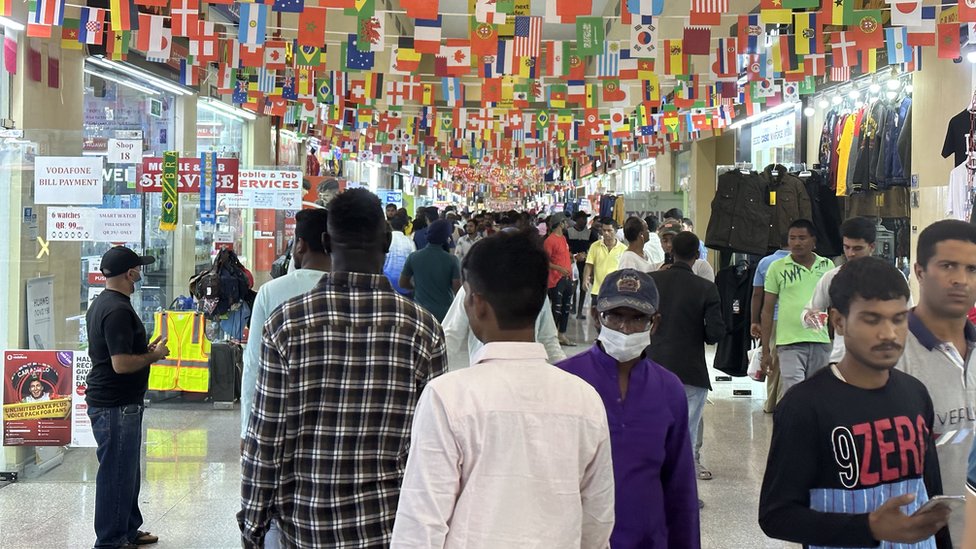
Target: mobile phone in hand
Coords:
[(953, 503)]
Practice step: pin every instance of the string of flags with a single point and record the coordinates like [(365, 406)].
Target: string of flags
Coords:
[(505, 93)]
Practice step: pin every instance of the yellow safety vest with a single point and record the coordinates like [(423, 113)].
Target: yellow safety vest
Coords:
[(186, 368)]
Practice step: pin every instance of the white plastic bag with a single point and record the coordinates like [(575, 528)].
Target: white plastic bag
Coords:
[(755, 365)]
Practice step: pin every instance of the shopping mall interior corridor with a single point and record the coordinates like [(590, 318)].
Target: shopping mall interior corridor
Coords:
[(191, 478)]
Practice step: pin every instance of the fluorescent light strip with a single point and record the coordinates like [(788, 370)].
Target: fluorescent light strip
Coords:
[(220, 107), (11, 24), (120, 81), (152, 79), (757, 117)]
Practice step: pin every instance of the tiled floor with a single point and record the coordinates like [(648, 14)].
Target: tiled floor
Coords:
[(191, 479)]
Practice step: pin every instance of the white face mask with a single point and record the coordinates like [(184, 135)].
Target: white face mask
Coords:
[(621, 346)]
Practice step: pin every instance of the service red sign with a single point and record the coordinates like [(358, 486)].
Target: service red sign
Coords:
[(151, 178)]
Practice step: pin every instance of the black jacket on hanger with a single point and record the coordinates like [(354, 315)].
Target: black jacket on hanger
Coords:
[(735, 290), (740, 217), (826, 214), (792, 203)]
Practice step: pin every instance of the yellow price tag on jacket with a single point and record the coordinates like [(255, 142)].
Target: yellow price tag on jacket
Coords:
[(772, 198)]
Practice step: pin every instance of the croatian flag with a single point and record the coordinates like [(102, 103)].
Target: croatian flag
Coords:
[(254, 20), (92, 26)]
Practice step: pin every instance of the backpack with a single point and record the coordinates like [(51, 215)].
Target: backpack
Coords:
[(206, 288)]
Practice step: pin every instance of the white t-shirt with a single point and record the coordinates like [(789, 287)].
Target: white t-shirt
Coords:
[(959, 205), (631, 260)]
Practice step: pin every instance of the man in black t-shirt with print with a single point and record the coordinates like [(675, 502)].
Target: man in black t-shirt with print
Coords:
[(120, 355), (852, 458)]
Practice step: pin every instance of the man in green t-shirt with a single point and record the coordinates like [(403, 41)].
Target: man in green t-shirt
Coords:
[(432, 272), (790, 283)]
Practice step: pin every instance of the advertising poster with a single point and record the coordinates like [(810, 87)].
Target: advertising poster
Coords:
[(68, 180), (40, 312), (81, 430), (94, 225), (37, 395), (151, 175)]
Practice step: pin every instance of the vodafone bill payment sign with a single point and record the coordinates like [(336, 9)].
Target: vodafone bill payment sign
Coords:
[(269, 189), (68, 180), (94, 224)]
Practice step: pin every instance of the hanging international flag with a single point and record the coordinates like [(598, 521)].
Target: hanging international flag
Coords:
[(42, 15), (372, 33), (843, 49), (124, 16), (91, 29), (924, 34), (645, 69), (948, 35), (675, 60), (589, 36), (645, 7), (225, 78), (406, 58), (188, 74), (311, 27), (184, 15), (170, 194), (205, 45), (608, 62), (452, 91), (867, 30), (837, 12), (840, 74), (275, 55), (788, 59), (484, 39), (420, 9), (751, 34), (117, 44), (907, 13), (254, 21), (427, 35), (809, 33), (791, 92), (697, 40), (353, 59), (288, 6), (70, 30), (725, 65), (899, 51), (456, 56), (815, 64), (528, 36), (614, 91), (708, 12), (309, 57), (151, 36), (643, 37), (266, 80)]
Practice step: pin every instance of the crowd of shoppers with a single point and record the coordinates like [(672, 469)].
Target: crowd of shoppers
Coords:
[(354, 433)]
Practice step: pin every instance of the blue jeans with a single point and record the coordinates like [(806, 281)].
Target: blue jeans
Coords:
[(272, 538), (696, 405), (118, 431)]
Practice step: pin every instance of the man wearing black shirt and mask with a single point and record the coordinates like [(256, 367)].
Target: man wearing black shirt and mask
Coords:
[(852, 458), (580, 237), (117, 382)]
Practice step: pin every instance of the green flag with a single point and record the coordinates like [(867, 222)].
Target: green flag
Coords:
[(589, 35), (171, 196)]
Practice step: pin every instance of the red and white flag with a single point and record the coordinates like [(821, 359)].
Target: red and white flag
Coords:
[(708, 12), (203, 47), (151, 34), (843, 52), (840, 74), (528, 36), (185, 14)]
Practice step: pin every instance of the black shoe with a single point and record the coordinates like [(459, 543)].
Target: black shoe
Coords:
[(701, 504)]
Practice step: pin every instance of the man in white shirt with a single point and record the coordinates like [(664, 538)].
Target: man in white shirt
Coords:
[(701, 267), (401, 246), (510, 452), (465, 242), (653, 249), (311, 262)]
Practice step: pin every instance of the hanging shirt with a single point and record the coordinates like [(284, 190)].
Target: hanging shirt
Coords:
[(960, 201), (844, 146)]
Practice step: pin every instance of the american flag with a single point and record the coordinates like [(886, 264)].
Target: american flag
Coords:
[(840, 74), (710, 6), (528, 36)]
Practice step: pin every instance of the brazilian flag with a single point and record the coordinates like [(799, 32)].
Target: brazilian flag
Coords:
[(542, 120), (171, 196), (323, 89)]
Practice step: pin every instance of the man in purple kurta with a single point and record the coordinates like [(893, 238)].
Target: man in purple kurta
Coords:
[(654, 471)]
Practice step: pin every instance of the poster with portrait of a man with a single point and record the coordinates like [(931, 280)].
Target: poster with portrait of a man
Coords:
[(37, 389)]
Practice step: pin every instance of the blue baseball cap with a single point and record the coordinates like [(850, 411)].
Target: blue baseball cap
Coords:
[(628, 288)]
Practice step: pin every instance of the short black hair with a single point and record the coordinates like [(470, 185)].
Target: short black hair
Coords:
[(399, 222), (580, 215), (391, 205), (633, 228), (608, 221), (356, 216), (940, 231), (804, 224), (511, 271), (431, 214), (868, 278), (310, 225), (652, 223), (674, 213), (684, 246), (859, 228), (688, 221)]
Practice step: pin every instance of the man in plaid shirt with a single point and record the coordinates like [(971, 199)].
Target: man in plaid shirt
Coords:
[(342, 368)]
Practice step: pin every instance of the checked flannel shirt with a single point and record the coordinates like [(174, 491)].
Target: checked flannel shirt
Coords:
[(342, 369)]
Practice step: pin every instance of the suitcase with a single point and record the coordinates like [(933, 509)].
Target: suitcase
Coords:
[(226, 364)]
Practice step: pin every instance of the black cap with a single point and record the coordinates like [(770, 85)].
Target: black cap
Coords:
[(120, 259)]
